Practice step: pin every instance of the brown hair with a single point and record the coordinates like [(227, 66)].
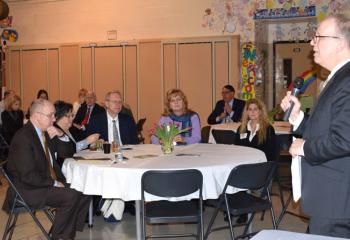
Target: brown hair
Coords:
[(263, 119), (174, 93)]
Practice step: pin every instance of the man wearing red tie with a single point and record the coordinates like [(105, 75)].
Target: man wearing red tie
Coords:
[(85, 115)]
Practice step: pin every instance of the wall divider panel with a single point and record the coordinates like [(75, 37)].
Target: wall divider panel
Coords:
[(108, 70), (14, 78), (169, 66), (221, 67), (131, 86), (70, 72), (53, 74), (86, 68), (142, 70), (34, 76), (150, 86), (195, 77)]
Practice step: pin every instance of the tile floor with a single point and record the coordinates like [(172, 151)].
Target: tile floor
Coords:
[(27, 230)]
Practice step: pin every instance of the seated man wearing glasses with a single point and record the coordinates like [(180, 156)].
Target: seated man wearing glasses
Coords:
[(33, 168), (229, 109)]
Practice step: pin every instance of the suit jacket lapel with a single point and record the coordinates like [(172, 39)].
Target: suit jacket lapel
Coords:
[(329, 85)]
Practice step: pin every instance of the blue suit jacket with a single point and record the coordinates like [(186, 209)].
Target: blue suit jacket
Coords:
[(237, 107), (127, 128)]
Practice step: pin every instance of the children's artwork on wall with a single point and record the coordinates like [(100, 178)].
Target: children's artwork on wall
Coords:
[(10, 35), (308, 76), (6, 23), (248, 70), (231, 16)]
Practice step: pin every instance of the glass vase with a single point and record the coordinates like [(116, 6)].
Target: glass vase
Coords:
[(167, 147)]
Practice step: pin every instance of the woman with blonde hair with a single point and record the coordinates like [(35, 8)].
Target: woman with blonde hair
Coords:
[(12, 117), (176, 111), (255, 130), (81, 100)]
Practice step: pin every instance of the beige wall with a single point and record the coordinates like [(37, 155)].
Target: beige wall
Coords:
[(142, 70), (41, 21)]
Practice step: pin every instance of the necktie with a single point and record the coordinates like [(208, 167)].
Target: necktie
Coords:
[(115, 133), (86, 118), (47, 154)]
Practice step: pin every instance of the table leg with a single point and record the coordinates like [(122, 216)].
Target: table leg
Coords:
[(138, 219), (91, 213)]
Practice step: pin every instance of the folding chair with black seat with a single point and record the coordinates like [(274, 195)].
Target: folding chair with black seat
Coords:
[(205, 132), (20, 206), (172, 184), (252, 177), (139, 128), (224, 136)]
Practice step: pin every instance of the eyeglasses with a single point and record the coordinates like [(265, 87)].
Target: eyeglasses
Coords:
[(49, 115), (315, 38), (226, 92)]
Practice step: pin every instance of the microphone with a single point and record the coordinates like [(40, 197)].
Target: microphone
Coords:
[(298, 84)]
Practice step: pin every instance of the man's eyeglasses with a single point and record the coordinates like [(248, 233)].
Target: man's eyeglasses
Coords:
[(317, 37), (49, 115), (226, 92)]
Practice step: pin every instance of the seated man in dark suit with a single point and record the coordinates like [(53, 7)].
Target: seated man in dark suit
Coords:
[(227, 110), (85, 116), (33, 168), (113, 125)]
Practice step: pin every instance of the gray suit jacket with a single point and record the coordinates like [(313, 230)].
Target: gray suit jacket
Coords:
[(326, 165)]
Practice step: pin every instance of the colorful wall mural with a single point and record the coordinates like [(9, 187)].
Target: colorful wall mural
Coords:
[(230, 16), (238, 17)]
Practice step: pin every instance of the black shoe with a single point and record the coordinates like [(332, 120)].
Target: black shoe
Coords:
[(243, 218), (130, 208)]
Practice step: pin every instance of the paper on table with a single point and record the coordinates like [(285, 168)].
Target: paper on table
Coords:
[(296, 177)]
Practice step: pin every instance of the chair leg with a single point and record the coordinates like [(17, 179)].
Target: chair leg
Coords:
[(229, 218), (246, 228), (10, 226), (36, 220), (273, 217), (284, 209), (201, 233), (211, 222)]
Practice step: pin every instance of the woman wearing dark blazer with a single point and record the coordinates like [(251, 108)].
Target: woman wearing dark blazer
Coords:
[(12, 118), (66, 145), (256, 131)]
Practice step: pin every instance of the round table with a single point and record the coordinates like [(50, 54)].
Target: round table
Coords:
[(123, 179)]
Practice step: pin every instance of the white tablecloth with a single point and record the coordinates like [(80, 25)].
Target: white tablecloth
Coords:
[(284, 235), (280, 128), (123, 180)]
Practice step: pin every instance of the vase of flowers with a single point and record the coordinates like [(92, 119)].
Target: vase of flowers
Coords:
[(166, 134)]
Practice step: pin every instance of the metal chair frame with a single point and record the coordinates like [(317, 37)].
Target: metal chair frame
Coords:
[(172, 183), (251, 177), (19, 206)]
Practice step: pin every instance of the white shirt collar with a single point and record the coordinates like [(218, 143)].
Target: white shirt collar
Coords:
[(335, 69), (249, 128), (110, 118)]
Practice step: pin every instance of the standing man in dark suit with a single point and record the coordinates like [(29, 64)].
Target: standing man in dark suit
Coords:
[(85, 116), (229, 109), (325, 144), (113, 125), (32, 165)]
